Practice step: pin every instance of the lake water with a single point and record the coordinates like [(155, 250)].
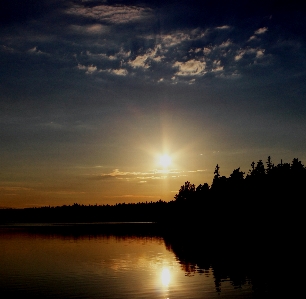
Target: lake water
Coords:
[(52, 265)]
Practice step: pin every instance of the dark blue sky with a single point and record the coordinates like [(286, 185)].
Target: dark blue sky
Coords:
[(93, 92)]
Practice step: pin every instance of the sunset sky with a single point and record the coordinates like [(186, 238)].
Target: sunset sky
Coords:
[(93, 93)]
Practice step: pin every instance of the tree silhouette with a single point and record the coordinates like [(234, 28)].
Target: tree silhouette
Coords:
[(236, 175), (269, 165), (187, 191), (216, 172), (259, 169)]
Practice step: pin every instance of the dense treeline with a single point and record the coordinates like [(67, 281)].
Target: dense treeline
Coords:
[(261, 182), (122, 212), (266, 202)]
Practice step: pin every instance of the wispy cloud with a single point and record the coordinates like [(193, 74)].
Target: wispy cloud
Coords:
[(140, 61), (90, 69), (258, 53), (65, 192), (117, 14), (140, 177), (89, 29), (7, 49), (14, 188), (118, 72), (131, 196), (253, 37), (217, 67), (190, 68), (116, 173), (144, 60), (258, 32), (224, 27), (120, 55), (175, 38), (225, 44), (261, 30), (198, 170), (34, 50)]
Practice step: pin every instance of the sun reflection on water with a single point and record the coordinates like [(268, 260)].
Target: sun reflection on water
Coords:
[(165, 277)]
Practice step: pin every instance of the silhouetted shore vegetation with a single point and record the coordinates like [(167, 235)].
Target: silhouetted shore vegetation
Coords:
[(77, 213), (267, 200)]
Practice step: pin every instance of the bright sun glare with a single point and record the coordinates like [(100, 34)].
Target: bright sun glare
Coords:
[(165, 160), (165, 276)]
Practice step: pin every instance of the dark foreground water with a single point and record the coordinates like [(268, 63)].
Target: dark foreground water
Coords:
[(47, 264)]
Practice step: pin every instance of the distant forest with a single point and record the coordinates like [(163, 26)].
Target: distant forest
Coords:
[(268, 197)]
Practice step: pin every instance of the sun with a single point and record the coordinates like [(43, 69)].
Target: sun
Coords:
[(165, 160)]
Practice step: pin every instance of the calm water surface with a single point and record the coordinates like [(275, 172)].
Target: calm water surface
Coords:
[(35, 265)]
